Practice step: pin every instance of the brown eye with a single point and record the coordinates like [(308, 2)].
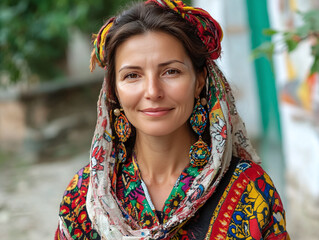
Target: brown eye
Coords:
[(172, 72), (131, 76)]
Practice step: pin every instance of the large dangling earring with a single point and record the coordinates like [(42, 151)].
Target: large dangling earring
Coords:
[(199, 152), (123, 130)]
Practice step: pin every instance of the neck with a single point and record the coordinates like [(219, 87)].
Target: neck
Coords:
[(164, 157)]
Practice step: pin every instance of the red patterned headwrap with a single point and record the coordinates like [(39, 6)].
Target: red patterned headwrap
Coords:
[(208, 28)]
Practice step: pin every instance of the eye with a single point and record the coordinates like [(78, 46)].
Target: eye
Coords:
[(172, 72), (131, 76)]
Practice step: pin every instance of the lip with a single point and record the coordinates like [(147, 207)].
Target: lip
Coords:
[(156, 112)]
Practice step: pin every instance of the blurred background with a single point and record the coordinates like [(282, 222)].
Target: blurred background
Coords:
[(48, 100)]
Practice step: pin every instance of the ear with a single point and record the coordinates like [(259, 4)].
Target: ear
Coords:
[(200, 81)]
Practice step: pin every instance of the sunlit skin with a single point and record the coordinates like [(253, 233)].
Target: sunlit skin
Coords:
[(156, 85)]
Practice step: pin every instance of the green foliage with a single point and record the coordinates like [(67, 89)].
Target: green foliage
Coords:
[(34, 34), (315, 53), (269, 32), (265, 49), (309, 30)]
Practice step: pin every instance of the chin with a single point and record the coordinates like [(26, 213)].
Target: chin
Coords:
[(162, 129), (157, 133)]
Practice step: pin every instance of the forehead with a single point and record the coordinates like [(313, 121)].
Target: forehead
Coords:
[(150, 45)]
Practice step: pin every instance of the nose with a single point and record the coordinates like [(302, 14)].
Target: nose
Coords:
[(153, 88)]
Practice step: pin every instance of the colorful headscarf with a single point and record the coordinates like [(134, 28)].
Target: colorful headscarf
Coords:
[(227, 131), (208, 30)]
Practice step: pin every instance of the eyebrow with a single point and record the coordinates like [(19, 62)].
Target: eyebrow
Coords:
[(160, 65), (169, 62), (129, 67)]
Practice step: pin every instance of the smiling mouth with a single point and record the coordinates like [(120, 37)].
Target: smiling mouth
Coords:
[(156, 112)]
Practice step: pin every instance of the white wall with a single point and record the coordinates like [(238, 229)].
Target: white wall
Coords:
[(235, 60)]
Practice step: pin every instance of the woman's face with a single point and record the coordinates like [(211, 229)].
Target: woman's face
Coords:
[(156, 83)]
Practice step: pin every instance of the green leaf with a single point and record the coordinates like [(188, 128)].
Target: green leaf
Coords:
[(291, 44), (270, 32), (315, 65), (315, 50), (266, 49), (315, 53), (291, 40)]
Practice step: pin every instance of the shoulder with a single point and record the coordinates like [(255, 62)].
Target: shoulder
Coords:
[(79, 181), (259, 200), (256, 179), (248, 169), (73, 212), (76, 189), (257, 185)]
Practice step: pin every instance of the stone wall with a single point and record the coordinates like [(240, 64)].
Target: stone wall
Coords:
[(50, 121)]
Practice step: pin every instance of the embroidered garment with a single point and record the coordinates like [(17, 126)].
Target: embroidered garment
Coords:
[(245, 205), (109, 200), (135, 199)]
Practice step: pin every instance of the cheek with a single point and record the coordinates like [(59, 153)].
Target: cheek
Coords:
[(183, 92), (127, 95)]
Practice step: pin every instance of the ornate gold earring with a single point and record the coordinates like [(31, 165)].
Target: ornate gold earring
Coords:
[(123, 130), (199, 152)]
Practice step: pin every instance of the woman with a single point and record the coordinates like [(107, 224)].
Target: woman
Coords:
[(170, 158)]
